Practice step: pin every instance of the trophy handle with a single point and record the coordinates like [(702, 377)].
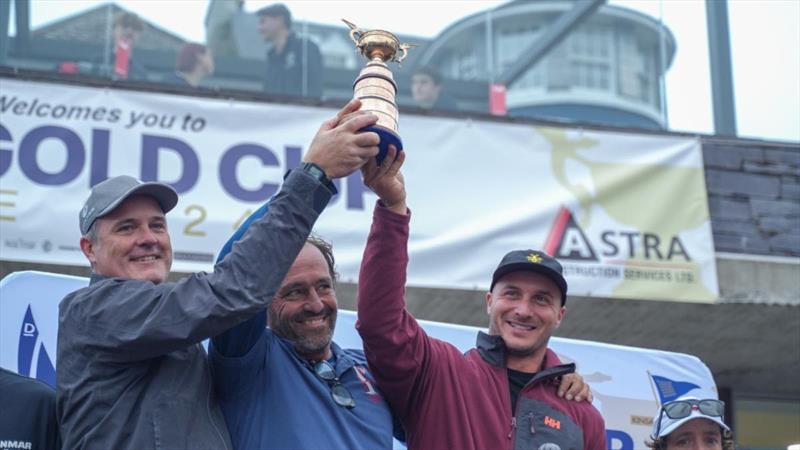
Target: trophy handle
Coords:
[(404, 51), (355, 32), (355, 35)]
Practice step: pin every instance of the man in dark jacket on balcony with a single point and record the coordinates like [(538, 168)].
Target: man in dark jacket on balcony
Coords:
[(294, 63)]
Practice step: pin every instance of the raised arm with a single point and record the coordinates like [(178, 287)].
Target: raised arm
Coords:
[(130, 320), (238, 340), (136, 319), (396, 347)]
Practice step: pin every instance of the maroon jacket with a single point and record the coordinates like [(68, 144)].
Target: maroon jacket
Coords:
[(446, 399)]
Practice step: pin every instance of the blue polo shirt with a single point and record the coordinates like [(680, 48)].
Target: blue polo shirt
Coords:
[(272, 399)]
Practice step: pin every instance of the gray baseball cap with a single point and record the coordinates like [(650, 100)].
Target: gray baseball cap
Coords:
[(109, 194)]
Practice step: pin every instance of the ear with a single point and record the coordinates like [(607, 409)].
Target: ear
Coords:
[(561, 313), (489, 303), (88, 248)]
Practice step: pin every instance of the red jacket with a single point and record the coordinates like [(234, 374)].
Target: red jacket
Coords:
[(446, 399)]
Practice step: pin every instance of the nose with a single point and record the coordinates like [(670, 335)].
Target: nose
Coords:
[(523, 310), (146, 237), (314, 302)]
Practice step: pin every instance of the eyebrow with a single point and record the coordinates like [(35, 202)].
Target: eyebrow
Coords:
[(291, 286), (678, 436), (538, 291), (124, 221), (153, 217)]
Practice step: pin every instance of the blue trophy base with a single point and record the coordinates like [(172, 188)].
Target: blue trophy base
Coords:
[(388, 137)]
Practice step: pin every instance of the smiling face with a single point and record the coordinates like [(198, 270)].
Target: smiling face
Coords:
[(697, 434), (132, 242), (304, 308), (524, 309)]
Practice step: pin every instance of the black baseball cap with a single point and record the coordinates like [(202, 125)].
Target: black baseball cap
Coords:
[(109, 194), (277, 10), (533, 261)]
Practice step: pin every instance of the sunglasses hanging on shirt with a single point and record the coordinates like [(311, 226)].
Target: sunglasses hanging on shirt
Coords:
[(340, 395)]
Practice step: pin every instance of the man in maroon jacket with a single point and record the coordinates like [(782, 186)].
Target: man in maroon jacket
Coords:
[(503, 394)]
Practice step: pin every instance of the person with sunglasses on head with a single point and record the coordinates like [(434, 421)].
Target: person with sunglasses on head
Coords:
[(690, 423), (510, 391), (274, 382)]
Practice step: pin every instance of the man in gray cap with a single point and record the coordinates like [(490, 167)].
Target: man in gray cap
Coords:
[(131, 372)]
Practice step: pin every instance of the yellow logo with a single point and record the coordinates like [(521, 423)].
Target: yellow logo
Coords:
[(534, 258)]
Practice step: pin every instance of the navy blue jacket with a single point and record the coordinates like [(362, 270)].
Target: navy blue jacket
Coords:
[(300, 64)]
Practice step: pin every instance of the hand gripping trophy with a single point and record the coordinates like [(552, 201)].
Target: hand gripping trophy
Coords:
[(375, 86)]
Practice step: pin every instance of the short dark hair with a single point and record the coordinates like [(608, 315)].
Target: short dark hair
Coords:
[(277, 10), (128, 20), (429, 71), (326, 249), (186, 61)]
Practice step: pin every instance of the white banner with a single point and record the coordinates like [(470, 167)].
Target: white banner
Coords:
[(628, 383), (627, 214)]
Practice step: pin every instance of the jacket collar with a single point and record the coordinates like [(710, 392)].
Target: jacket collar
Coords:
[(95, 278), (291, 43), (343, 362), (492, 349)]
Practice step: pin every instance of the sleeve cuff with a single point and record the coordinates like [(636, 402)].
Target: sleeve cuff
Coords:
[(382, 211), (304, 182)]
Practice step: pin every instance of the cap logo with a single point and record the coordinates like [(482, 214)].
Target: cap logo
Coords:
[(534, 258)]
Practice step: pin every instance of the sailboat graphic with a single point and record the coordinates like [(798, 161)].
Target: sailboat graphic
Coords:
[(28, 352)]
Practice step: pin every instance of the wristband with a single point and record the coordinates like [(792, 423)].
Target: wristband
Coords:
[(316, 171)]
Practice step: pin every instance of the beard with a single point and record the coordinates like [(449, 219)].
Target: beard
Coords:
[(305, 342)]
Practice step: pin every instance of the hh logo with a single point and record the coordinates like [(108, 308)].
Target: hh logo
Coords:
[(28, 338), (552, 423)]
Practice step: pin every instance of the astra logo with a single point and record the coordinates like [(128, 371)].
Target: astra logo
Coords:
[(27, 352), (567, 241)]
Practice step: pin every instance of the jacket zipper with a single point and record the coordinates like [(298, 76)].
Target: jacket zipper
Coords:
[(208, 408), (530, 415)]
